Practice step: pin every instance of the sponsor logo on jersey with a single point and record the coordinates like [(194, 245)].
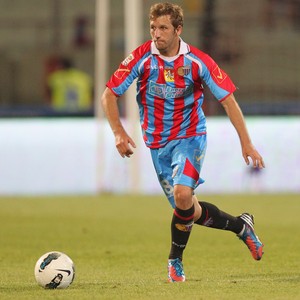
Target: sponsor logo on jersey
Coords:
[(164, 91), (120, 73), (219, 75), (152, 67), (184, 70), (127, 60), (169, 74)]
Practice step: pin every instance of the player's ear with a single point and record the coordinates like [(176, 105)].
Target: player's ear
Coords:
[(178, 30)]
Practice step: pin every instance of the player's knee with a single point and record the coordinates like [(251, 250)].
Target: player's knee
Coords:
[(183, 196)]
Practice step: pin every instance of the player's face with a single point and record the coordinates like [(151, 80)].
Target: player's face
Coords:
[(165, 36)]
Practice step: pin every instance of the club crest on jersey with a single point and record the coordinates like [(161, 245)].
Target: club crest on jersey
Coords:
[(169, 74), (127, 60), (184, 70)]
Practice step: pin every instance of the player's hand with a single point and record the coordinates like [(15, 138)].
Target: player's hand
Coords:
[(124, 144), (256, 158)]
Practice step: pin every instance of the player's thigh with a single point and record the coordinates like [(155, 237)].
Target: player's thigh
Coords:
[(187, 161), (162, 161)]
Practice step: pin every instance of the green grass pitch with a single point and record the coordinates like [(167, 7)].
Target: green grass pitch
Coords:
[(120, 244)]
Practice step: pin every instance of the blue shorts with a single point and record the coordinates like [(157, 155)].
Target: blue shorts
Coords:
[(179, 162)]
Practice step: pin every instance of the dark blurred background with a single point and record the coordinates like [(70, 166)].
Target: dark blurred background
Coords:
[(257, 42)]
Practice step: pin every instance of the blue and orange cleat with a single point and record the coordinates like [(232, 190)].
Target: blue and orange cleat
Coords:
[(175, 270), (249, 237)]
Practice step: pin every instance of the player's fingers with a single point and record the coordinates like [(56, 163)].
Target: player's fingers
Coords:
[(255, 162), (125, 150), (246, 159), (122, 149), (124, 144), (129, 152), (261, 163), (132, 143), (121, 152), (258, 163)]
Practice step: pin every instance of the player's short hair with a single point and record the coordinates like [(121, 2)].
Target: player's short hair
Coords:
[(167, 9)]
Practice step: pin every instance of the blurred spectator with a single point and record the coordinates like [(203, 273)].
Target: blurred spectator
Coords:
[(70, 89), (287, 11), (81, 37)]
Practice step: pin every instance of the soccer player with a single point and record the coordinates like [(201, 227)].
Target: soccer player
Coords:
[(170, 75)]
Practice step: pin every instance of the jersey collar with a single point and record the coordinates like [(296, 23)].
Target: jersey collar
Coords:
[(184, 48)]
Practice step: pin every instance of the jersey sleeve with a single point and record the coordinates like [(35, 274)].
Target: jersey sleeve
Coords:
[(127, 71), (216, 79)]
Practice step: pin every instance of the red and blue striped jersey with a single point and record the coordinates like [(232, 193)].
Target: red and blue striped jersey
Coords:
[(170, 90)]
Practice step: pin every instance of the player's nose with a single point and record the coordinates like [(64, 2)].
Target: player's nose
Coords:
[(156, 33)]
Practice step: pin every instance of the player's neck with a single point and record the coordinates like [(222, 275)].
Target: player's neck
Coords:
[(173, 51)]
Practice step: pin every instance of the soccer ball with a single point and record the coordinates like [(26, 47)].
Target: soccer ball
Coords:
[(54, 270)]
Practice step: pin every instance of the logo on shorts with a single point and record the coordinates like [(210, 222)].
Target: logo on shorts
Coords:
[(175, 170), (198, 156)]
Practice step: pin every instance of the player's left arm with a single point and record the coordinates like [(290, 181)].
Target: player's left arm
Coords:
[(237, 119)]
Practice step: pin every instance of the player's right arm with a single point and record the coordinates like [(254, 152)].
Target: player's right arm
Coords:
[(123, 141)]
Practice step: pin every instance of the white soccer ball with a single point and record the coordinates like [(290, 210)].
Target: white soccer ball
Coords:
[(54, 270)]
